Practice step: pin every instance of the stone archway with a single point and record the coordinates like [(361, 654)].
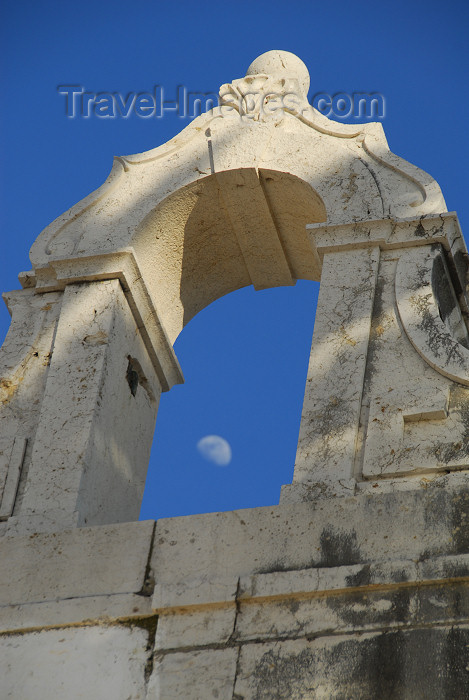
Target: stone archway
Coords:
[(359, 591), (240, 197)]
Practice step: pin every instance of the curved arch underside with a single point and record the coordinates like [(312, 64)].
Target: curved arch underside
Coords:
[(224, 232)]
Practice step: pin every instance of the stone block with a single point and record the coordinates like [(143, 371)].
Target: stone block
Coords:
[(82, 562), (334, 385), (279, 584), (319, 615), (195, 628), (195, 591), (197, 675), (77, 663), (398, 525)]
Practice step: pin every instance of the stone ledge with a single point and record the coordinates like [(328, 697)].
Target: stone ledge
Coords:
[(388, 233), (123, 266), (223, 560), (190, 601), (102, 609), (195, 594)]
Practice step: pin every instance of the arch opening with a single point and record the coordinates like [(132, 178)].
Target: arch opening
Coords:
[(245, 358)]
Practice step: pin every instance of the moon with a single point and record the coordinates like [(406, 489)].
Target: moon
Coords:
[(215, 449)]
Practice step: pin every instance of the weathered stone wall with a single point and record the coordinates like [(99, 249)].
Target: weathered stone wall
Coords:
[(356, 585), (359, 597)]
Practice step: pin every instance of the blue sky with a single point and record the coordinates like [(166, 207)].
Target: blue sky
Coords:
[(245, 356)]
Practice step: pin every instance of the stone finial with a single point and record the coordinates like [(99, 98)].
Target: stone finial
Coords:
[(281, 64)]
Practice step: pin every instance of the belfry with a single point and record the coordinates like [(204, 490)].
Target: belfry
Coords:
[(356, 584)]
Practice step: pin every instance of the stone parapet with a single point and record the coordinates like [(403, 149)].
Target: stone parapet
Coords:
[(331, 598)]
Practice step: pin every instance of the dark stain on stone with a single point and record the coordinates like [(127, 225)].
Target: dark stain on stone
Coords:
[(455, 569), (422, 664), (136, 377), (377, 321), (447, 602), (338, 548), (293, 606), (149, 624), (401, 605), (447, 453), (380, 666), (132, 378), (361, 578), (399, 575), (359, 609), (278, 565), (458, 265), (456, 676), (444, 346), (420, 231), (446, 290), (460, 525), (367, 669), (436, 514), (286, 676)]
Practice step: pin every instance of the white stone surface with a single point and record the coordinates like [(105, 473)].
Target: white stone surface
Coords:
[(334, 385), (391, 233), (195, 628), (264, 256), (81, 562), (193, 591), (328, 461), (119, 265), (338, 454), (24, 361), (282, 584), (88, 662), (281, 64), (92, 431), (66, 612), (306, 535), (198, 675), (222, 205), (12, 459), (279, 584)]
